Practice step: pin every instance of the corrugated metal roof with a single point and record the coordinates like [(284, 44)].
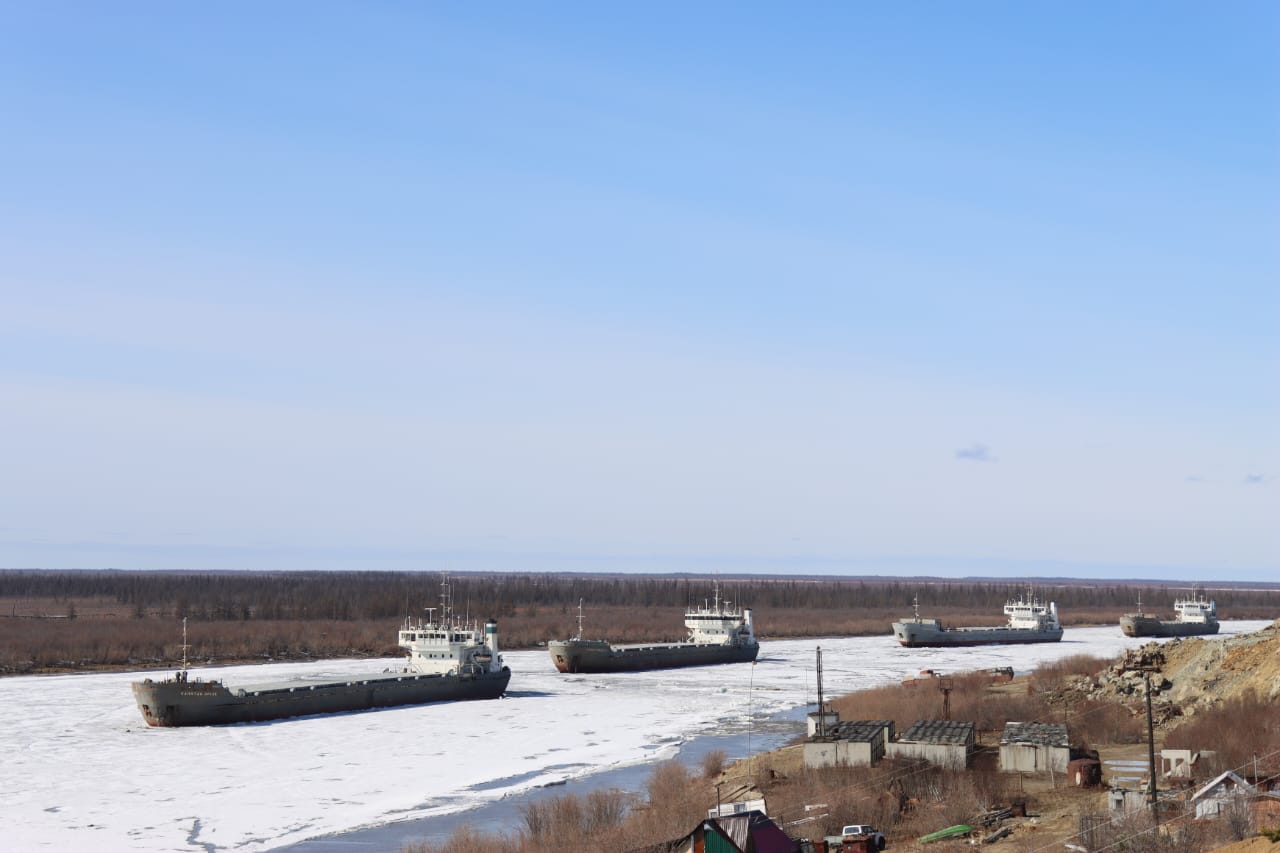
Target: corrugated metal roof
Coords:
[(860, 731), (938, 731), (1046, 734)]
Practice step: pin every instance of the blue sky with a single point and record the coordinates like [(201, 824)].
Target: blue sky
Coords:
[(904, 288)]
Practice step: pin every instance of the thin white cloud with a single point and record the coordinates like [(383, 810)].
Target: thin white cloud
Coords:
[(976, 452)]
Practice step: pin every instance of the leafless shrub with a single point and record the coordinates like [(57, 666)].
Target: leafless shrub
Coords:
[(1237, 819), (1237, 730), (463, 840), (604, 810), (713, 763), (1138, 833), (672, 792), (1055, 674)]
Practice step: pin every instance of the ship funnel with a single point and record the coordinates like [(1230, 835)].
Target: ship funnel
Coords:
[(491, 640), (746, 618)]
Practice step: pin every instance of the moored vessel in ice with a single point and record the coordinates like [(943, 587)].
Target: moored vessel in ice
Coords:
[(1193, 616), (445, 661), (1029, 621), (717, 633)]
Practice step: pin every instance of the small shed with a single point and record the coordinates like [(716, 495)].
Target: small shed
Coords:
[(854, 743), (739, 807), (1266, 811), (1035, 748), (946, 743), (751, 832), (826, 719), (738, 799), (1220, 795), (1084, 772), (1126, 801)]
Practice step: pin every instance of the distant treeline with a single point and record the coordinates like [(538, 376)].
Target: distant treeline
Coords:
[(360, 596), (70, 620)]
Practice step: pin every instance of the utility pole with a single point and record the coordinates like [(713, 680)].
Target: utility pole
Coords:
[(1151, 752), (822, 716), (751, 756)]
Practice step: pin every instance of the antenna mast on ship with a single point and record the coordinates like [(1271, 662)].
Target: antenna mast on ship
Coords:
[(915, 604), (446, 603), (579, 637), (185, 646)]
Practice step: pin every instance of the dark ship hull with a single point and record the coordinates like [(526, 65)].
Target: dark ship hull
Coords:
[(1134, 625), (926, 635), (598, 656), (180, 702)]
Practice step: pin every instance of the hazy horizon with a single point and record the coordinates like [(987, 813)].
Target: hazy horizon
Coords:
[(924, 569)]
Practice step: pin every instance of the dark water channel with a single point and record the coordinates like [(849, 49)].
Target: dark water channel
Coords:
[(505, 815)]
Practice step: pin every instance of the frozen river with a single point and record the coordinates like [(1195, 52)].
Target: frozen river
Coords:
[(80, 770)]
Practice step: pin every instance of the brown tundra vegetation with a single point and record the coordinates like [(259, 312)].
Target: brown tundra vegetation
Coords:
[(51, 620), (903, 799)]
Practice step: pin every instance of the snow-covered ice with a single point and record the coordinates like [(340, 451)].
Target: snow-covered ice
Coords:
[(80, 770)]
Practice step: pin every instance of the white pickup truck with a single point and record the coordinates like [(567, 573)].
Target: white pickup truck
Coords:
[(854, 830)]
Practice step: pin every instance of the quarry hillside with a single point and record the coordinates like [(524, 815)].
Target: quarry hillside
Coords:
[(1191, 674)]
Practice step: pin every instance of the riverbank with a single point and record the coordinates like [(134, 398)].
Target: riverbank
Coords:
[(505, 815)]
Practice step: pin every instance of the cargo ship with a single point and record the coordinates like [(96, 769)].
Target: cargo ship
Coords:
[(1030, 621), (1193, 617), (445, 662), (717, 633)]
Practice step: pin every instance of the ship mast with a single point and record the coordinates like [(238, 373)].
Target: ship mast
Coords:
[(579, 637), (185, 646), (446, 604)]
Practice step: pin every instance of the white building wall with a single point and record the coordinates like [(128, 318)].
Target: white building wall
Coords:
[(1033, 758), (841, 752), (829, 720), (820, 753), (952, 756)]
